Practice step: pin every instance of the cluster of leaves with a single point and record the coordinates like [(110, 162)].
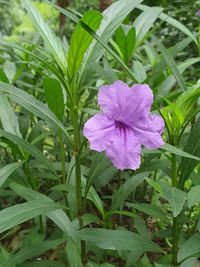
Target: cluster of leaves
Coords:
[(63, 205)]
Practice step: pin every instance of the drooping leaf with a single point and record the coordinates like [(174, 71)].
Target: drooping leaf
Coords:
[(19, 213), (116, 239), (54, 44), (175, 23), (33, 105), (145, 21), (33, 250), (58, 216), (8, 117), (31, 149), (7, 170)]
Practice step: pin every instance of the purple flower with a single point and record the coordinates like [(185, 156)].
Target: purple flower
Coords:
[(124, 124), (198, 13)]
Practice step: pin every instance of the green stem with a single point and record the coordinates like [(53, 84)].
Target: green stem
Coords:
[(175, 227), (79, 202), (62, 152)]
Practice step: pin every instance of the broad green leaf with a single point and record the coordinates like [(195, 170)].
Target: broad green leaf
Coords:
[(192, 147), (7, 170), (150, 209), (175, 197), (179, 152), (171, 64), (190, 248), (193, 196), (31, 149), (57, 216), (54, 44), (81, 40), (126, 189), (12, 216), (145, 21), (112, 18), (33, 105), (116, 239), (7, 116), (54, 96), (33, 250)]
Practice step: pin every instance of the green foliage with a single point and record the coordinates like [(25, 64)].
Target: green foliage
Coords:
[(61, 204)]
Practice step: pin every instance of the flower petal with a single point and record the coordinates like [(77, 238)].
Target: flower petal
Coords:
[(149, 131), (143, 99), (111, 98), (98, 131), (121, 103), (124, 151)]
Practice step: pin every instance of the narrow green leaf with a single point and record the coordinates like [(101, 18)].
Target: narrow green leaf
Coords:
[(57, 216), (54, 96), (192, 147), (125, 41), (32, 150), (177, 24), (117, 239), (7, 116), (7, 170), (171, 64), (145, 21), (33, 105), (81, 40), (112, 18), (54, 44), (12, 216), (33, 250), (152, 210), (126, 189), (179, 152)]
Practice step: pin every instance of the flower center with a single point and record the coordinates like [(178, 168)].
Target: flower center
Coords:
[(121, 126)]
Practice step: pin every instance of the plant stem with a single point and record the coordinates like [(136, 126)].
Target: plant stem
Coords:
[(79, 202), (175, 230)]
